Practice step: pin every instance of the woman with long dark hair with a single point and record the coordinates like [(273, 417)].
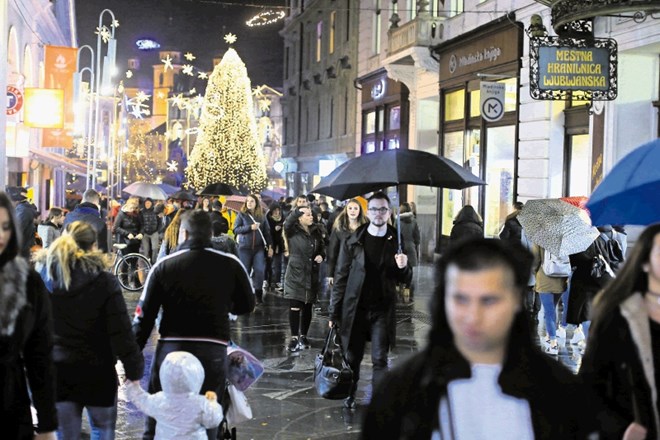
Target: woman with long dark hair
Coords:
[(621, 365), (349, 219), (26, 342), (252, 234), (92, 330)]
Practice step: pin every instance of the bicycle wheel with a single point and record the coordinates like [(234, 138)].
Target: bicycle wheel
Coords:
[(132, 270)]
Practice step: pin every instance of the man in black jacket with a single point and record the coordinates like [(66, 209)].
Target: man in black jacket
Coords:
[(363, 296), (88, 211), (197, 287), (480, 363), (25, 216)]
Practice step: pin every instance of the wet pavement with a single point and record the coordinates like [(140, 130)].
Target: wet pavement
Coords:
[(284, 402)]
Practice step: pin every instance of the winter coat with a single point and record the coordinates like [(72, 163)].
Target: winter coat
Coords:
[(225, 243), (337, 237), (197, 288), (466, 230), (181, 412), (25, 215), (149, 220), (88, 212), (349, 279), (246, 237), (302, 280), (618, 367), (48, 233), (92, 330), (512, 228), (26, 345), (544, 283), (410, 235), (583, 287), (126, 224), (405, 405), (276, 235)]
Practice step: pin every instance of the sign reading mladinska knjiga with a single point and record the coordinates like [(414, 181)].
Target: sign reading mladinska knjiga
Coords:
[(565, 67)]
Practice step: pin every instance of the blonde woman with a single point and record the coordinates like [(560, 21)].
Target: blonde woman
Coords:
[(92, 329), (348, 220), (128, 225), (171, 237)]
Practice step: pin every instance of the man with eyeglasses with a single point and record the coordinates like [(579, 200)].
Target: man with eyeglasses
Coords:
[(363, 297)]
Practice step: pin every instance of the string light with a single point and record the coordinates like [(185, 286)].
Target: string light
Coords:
[(265, 18), (227, 148)]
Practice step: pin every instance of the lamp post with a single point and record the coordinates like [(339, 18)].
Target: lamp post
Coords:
[(77, 82), (103, 76)]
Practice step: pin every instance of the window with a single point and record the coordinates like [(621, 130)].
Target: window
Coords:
[(319, 40), (376, 30), (455, 7), (331, 37), (579, 165), (454, 105), (412, 8), (370, 123)]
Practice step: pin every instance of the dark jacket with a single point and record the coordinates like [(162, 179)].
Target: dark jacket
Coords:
[(126, 224), (583, 287), (337, 237), (224, 243), (246, 237), (26, 344), (275, 234), (25, 215), (349, 278), (512, 229), (405, 405), (410, 235), (92, 330), (302, 280), (466, 230), (149, 220), (197, 287), (88, 212), (618, 370)]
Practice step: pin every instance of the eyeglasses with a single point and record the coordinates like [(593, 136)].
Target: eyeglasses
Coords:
[(378, 210)]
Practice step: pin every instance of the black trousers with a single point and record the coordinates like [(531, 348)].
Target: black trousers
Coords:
[(368, 325)]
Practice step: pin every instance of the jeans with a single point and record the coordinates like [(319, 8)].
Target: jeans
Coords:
[(368, 323), (150, 246), (102, 421), (254, 260), (549, 303), (274, 268), (213, 358)]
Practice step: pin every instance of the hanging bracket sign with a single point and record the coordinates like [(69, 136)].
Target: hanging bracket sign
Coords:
[(492, 100), (562, 68), (14, 100)]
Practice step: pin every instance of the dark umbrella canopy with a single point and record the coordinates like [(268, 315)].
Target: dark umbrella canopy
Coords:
[(220, 189), (375, 171), (183, 195)]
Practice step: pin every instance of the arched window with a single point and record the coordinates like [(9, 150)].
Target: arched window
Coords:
[(28, 68), (13, 58)]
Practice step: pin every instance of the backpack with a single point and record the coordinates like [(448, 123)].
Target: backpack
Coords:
[(554, 266)]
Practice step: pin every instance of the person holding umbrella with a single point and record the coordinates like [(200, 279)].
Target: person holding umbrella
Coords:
[(622, 359)]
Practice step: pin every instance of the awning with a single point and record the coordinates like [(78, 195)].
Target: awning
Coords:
[(58, 161)]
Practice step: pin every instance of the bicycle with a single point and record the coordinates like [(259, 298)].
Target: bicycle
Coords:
[(131, 269)]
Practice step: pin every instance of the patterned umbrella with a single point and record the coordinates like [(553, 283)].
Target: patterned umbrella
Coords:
[(558, 226), (144, 189)]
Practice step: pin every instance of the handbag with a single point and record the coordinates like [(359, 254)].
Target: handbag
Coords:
[(243, 369), (239, 409), (600, 268), (333, 377)]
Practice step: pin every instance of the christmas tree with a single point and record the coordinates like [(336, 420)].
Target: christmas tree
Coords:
[(227, 148)]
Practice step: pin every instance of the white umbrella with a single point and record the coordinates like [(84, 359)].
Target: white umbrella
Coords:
[(557, 226), (145, 189)]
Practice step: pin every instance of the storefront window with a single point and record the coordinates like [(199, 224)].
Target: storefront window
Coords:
[(454, 105), (510, 94), (579, 178), (500, 159), (475, 103), (369, 147), (452, 199), (395, 118), (370, 123), (393, 144), (472, 161)]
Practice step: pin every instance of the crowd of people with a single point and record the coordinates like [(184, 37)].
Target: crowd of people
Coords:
[(64, 322)]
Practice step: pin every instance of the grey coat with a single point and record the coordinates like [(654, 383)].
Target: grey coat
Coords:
[(302, 281)]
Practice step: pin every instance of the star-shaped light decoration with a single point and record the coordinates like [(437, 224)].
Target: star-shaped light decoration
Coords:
[(202, 75), (230, 38), (138, 154), (129, 74), (141, 96), (168, 62), (192, 91), (188, 69), (104, 33), (160, 95), (115, 24), (177, 100), (189, 56), (173, 166), (136, 111)]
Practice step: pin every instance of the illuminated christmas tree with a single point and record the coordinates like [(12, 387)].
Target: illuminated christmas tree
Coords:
[(227, 148)]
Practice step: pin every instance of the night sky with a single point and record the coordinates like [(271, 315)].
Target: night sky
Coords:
[(188, 26)]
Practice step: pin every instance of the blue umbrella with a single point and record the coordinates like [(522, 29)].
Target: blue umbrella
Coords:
[(628, 195)]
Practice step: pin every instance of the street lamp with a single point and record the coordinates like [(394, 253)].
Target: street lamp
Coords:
[(77, 83)]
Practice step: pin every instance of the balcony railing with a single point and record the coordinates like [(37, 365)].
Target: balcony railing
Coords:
[(421, 31)]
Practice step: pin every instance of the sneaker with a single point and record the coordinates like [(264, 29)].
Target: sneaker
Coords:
[(279, 287), (304, 342), (551, 348), (561, 333), (578, 336), (294, 345), (264, 286), (349, 402)]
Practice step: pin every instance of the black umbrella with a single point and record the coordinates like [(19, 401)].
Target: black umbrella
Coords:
[(375, 171), (183, 195), (220, 189)]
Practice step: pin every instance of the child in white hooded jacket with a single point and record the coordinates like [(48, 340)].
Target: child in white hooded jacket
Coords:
[(180, 411)]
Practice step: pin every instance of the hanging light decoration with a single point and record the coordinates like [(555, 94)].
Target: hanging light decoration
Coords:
[(265, 18)]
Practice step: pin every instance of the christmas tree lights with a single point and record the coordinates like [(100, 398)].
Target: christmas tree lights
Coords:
[(227, 148)]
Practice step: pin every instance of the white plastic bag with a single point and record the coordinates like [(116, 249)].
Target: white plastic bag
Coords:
[(239, 408)]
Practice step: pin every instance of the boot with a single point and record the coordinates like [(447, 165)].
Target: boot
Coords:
[(259, 294)]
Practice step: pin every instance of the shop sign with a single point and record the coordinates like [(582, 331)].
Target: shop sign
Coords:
[(14, 100), (492, 100), (561, 66)]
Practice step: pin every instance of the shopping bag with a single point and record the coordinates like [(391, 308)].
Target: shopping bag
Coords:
[(239, 409), (333, 377), (243, 369)]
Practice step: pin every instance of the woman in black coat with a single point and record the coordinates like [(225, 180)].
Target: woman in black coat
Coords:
[(621, 365), (26, 342), (302, 282), (467, 224), (348, 221), (92, 330)]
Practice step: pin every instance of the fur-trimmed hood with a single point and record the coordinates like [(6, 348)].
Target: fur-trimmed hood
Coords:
[(85, 267), (13, 293)]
